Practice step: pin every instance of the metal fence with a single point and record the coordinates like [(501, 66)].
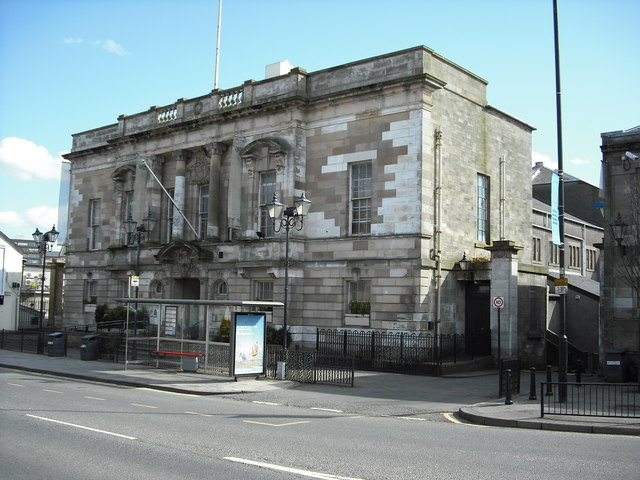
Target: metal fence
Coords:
[(395, 351), (311, 367), (19, 341), (590, 399)]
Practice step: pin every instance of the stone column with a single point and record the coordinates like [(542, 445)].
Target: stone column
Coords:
[(179, 194), (215, 151), (504, 283)]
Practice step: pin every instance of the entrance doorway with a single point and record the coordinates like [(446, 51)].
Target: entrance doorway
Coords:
[(477, 319)]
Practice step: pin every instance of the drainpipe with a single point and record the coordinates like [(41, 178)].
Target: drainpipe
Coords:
[(438, 231)]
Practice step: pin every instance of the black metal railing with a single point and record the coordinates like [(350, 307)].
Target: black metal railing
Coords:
[(396, 351), (590, 399), (26, 342), (311, 367)]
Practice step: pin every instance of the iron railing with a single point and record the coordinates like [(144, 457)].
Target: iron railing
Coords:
[(26, 342), (590, 399), (395, 351), (311, 367)]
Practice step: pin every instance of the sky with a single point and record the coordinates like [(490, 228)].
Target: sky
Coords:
[(68, 66)]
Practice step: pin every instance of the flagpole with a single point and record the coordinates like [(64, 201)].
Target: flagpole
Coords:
[(563, 354), (215, 81)]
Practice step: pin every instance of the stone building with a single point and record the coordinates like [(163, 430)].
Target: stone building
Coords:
[(583, 232), (620, 288), (409, 170)]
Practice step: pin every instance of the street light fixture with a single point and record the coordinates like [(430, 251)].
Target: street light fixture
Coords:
[(138, 232), (290, 219), (43, 240), (619, 229)]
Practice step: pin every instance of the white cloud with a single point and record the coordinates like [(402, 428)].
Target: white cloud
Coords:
[(44, 217), (27, 161), (537, 157), (579, 161), (110, 46)]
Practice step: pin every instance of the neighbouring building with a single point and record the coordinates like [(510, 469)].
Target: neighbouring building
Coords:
[(583, 230), (409, 169), (10, 277), (620, 288)]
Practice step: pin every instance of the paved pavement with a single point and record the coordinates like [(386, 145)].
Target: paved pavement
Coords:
[(472, 397)]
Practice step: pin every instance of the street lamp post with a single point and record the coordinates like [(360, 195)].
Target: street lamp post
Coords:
[(138, 232), (43, 240), (287, 218)]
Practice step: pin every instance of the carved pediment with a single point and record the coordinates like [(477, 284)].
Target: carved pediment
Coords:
[(183, 257), (198, 169)]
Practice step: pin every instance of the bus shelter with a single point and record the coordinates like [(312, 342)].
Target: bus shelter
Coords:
[(191, 333)]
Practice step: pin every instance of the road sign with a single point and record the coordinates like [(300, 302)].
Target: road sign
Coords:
[(562, 289), (561, 282), (498, 302), (135, 281)]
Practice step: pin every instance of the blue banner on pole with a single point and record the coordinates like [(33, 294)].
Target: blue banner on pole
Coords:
[(555, 216)]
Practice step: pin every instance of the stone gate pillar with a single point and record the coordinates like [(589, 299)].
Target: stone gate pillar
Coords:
[(504, 283)]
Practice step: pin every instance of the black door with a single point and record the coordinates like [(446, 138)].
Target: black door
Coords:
[(477, 330)]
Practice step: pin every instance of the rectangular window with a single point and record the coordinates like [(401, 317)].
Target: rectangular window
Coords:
[(359, 296), (264, 291), (94, 224), (203, 211), (91, 295), (267, 190), (123, 287), (127, 212), (482, 208), (574, 256), (361, 191), (592, 256), (536, 254), (554, 254), (169, 215)]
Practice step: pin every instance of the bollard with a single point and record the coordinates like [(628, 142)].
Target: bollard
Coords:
[(579, 372), (507, 400), (532, 385), (549, 391)]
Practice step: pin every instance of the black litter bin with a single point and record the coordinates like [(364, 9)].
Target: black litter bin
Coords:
[(56, 344), (615, 366), (89, 347)]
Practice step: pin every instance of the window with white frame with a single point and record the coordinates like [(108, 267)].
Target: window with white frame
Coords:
[(536, 254), (574, 256), (359, 296), (263, 291), (94, 224), (482, 208), (267, 190), (91, 292), (127, 212), (361, 191), (554, 254), (203, 211), (592, 258)]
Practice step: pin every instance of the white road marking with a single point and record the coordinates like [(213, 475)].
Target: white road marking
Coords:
[(81, 426), (326, 409), (297, 471), (267, 403)]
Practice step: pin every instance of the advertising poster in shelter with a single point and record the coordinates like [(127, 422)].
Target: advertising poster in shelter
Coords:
[(249, 342)]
